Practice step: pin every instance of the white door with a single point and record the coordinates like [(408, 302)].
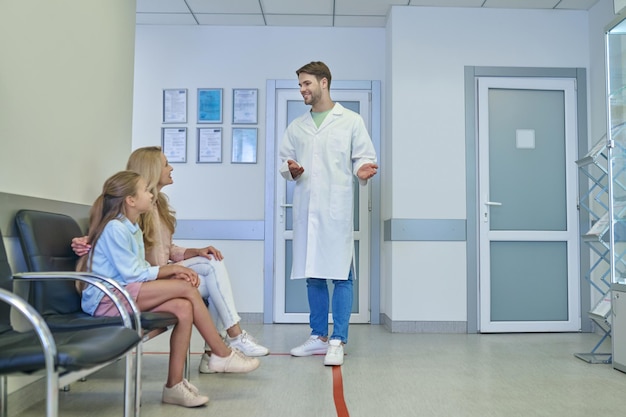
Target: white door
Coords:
[(290, 298), (528, 229)]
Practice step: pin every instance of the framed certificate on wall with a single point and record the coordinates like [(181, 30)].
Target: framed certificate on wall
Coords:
[(245, 102), (244, 145), (174, 143), (209, 105), (175, 105), (209, 145)]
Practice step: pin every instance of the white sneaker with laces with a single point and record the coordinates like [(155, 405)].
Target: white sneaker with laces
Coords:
[(236, 362), (334, 355), (313, 346), (181, 394), (204, 365), (191, 387), (247, 345)]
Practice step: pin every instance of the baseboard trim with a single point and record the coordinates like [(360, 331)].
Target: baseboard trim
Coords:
[(423, 326)]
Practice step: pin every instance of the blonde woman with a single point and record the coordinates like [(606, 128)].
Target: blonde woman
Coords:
[(117, 251), (158, 227)]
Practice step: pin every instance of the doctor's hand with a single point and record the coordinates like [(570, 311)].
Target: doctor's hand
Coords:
[(294, 168), (367, 171)]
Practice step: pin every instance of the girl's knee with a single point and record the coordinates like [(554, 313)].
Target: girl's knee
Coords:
[(182, 309)]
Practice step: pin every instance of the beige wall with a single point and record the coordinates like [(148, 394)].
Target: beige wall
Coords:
[(66, 92), (66, 97)]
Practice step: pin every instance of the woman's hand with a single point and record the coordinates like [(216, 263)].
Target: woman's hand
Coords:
[(81, 246), (210, 252)]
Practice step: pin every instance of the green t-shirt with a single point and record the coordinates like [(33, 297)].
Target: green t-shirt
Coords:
[(318, 118)]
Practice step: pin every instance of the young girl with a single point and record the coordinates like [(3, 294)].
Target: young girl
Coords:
[(158, 227), (117, 251)]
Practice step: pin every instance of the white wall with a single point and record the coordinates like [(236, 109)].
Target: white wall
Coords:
[(420, 57), (235, 57), (425, 119)]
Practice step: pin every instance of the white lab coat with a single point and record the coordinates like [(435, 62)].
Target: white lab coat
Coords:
[(323, 243)]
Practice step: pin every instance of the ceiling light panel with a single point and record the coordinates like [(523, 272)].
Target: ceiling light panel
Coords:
[(366, 7), (301, 7), (448, 3), (222, 6), (222, 19), (298, 20)]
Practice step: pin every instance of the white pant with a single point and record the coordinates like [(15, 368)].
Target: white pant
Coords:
[(215, 288)]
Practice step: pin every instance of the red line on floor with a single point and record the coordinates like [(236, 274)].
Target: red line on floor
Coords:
[(340, 403)]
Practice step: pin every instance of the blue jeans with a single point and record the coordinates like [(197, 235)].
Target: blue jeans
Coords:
[(317, 292)]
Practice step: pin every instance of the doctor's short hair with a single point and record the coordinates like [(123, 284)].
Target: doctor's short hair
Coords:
[(317, 69)]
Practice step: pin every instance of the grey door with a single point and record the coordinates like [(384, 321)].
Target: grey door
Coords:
[(528, 230)]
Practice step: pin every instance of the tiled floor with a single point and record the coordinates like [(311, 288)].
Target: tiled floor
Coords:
[(385, 374)]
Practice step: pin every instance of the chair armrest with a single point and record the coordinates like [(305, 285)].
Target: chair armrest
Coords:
[(99, 282), (39, 326)]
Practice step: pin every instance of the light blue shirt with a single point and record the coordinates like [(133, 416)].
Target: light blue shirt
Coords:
[(119, 254)]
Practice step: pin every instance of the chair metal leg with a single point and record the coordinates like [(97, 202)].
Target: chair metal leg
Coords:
[(129, 385), (4, 407), (137, 387), (188, 365), (52, 394)]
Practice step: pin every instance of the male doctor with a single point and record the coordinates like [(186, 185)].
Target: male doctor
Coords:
[(321, 151)]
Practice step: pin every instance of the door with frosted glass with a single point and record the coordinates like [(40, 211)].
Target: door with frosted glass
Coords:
[(527, 195), (290, 296)]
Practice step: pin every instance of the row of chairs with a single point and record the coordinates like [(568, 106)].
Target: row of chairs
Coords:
[(66, 343)]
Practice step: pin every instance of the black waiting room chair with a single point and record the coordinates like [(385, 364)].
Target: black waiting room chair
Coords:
[(64, 355), (45, 239)]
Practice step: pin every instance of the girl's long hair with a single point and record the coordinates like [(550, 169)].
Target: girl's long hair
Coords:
[(147, 162), (108, 206)]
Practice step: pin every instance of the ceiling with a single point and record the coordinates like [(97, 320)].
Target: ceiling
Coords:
[(339, 13)]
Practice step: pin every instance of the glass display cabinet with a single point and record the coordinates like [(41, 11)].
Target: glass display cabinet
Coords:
[(616, 149)]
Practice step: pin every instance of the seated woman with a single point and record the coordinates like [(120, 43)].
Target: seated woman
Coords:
[(158, 226), (117, 251)]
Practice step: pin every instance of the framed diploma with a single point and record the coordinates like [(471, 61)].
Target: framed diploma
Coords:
[(209, 145), (174, 143), (245, 105), (175, 105), (244, 146), (209, 105)]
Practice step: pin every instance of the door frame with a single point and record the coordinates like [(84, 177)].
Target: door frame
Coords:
[(570, 235), (472, 73), (271, 170)]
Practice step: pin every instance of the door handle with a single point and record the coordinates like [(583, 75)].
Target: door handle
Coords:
[(486, 211), (284, 207)]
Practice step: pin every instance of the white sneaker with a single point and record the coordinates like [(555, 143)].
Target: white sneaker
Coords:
[(313, 346), (181, 394), (247, 345), (191, 387), (334, 355), (204, 364), (236, 362)]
